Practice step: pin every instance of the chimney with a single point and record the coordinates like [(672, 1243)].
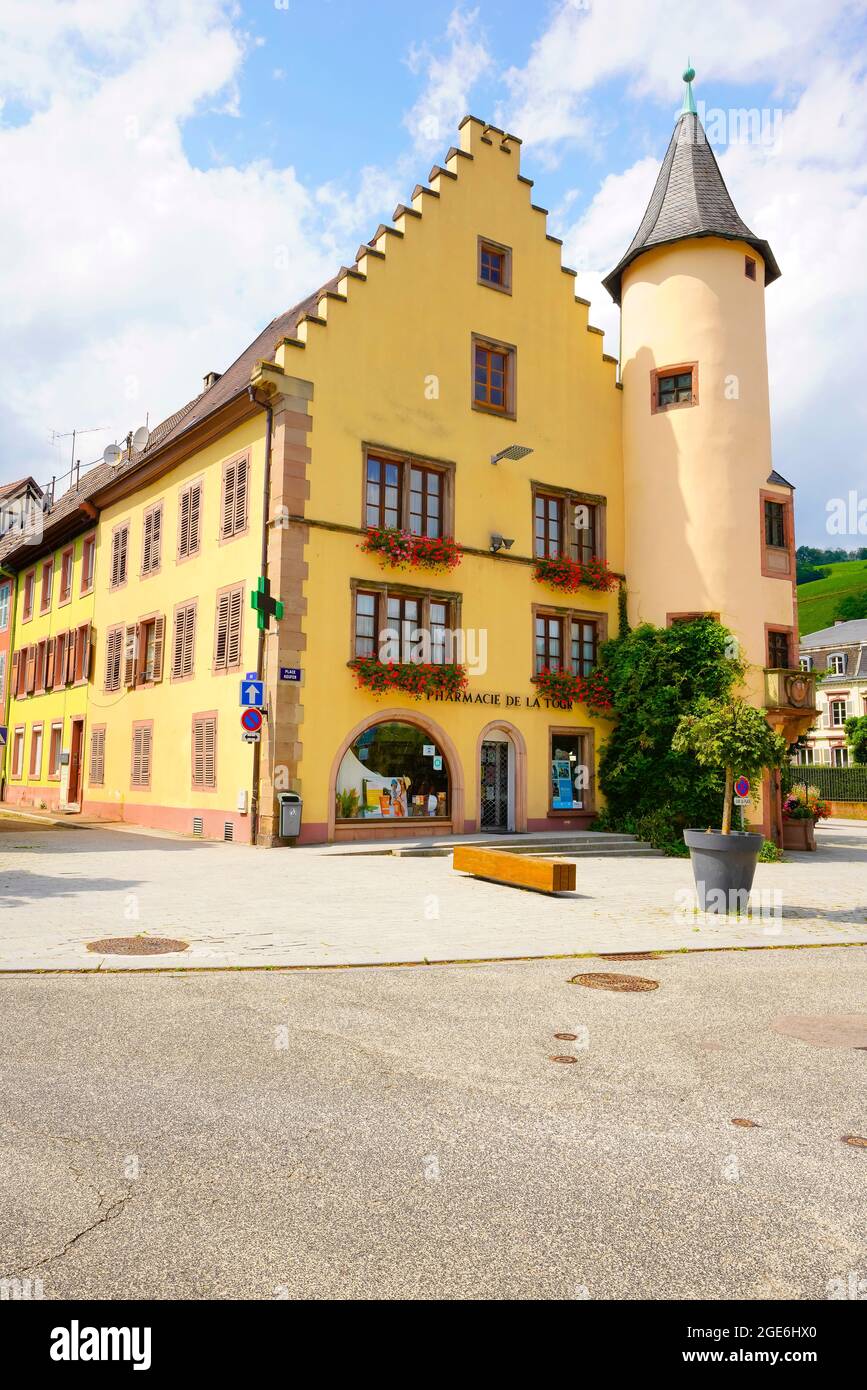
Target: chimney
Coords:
[(210, 379)]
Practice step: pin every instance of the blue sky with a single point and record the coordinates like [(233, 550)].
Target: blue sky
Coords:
[(179, 171)]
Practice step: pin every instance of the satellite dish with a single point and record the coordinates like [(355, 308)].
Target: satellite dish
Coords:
[(111, 455), (141, 437)]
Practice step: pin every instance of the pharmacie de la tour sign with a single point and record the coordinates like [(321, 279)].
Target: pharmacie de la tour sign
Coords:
[(500, 700)]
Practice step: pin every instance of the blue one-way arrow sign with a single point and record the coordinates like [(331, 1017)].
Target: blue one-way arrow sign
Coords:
[(252, 692)]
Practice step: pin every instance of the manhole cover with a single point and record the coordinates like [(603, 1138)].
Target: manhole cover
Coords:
[(621, 984), (824, 1030), (746, 1124), (136, 945), (629, 955), (566, 1037), (562, 1059), (856, 1141)]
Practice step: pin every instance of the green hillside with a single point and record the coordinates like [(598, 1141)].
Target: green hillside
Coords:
[(817, 601)]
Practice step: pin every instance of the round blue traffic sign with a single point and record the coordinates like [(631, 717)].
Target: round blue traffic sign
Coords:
[(251, 721)]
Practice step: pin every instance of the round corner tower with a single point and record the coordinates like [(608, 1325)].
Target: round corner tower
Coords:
[(700, 538)]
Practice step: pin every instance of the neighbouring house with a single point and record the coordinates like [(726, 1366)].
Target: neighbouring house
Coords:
[(837, 655)]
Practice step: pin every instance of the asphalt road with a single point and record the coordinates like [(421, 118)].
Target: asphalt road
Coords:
[(381, 1133)]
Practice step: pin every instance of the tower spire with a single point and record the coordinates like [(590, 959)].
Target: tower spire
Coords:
[(688, 108)]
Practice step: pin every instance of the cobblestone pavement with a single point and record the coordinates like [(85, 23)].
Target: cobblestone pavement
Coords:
[(61, 888)]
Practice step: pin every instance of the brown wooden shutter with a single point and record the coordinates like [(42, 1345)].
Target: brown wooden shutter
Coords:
[(227, 524), (241, 478), (130, 651), (124, 547), (190, 640), (210, 752), (85, 651), (178, 643), (115, 559), (13, 685), (59, 660), (136, 758), (156, 537), (49, 664), (97, 757), (30, 672), (184, 524), (70, 657), (233, 643), (159, 644), (221, 638), (147, 542), (198, 752), (147, 739), (195, 516)]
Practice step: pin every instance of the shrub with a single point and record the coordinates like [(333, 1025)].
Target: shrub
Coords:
[(655, 675)]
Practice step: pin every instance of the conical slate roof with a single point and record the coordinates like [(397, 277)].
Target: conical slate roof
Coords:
[(690, 200)]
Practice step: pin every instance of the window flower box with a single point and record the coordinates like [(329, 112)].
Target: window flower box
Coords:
[(402, 550), (592, 691), (562, 573), (419, 680)]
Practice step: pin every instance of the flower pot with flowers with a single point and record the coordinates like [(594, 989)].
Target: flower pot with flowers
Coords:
[(802, 807), (734, 737), (418, 679), (399, 549), (563, 573), (565, 689)]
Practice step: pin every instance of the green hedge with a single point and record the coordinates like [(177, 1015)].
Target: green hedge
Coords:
[(835, 783)]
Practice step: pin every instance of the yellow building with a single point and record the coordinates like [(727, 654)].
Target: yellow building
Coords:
[(431, 463), (50, 669)]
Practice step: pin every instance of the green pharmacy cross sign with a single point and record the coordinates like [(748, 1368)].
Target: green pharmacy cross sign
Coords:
[(266, 607)]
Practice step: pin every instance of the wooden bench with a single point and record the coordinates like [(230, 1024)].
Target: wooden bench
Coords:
[(516, 870)]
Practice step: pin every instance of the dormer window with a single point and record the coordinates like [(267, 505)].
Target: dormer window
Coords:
[(494, 265), (837, 663)]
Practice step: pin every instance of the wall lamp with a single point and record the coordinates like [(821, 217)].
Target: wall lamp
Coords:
[(499, 542), (514, 451)]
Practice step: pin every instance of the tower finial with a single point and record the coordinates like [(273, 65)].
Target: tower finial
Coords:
[(688, 107)]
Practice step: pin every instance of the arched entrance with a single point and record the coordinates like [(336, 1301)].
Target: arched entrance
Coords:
[(501, 763), (396, 774)]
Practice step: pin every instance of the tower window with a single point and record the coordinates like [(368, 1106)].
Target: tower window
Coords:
[(672, 387), (749, 268), (775, 524)]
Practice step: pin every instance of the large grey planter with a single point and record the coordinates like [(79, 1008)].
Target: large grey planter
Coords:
[(724, 867)]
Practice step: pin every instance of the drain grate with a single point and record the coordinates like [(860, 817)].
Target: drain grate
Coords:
[(621, 984), (746, 1124), (855, 1140), (136, 945), (562, 1059)]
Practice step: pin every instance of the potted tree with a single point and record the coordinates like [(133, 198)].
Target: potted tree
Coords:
[(802, 807), (734, 737)]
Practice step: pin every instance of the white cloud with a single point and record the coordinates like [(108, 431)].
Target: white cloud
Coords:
[(806, 195), (588, 42), (450, 79), (134, 271)]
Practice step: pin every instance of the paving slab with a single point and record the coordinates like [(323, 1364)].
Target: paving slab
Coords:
[(237, 906)]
